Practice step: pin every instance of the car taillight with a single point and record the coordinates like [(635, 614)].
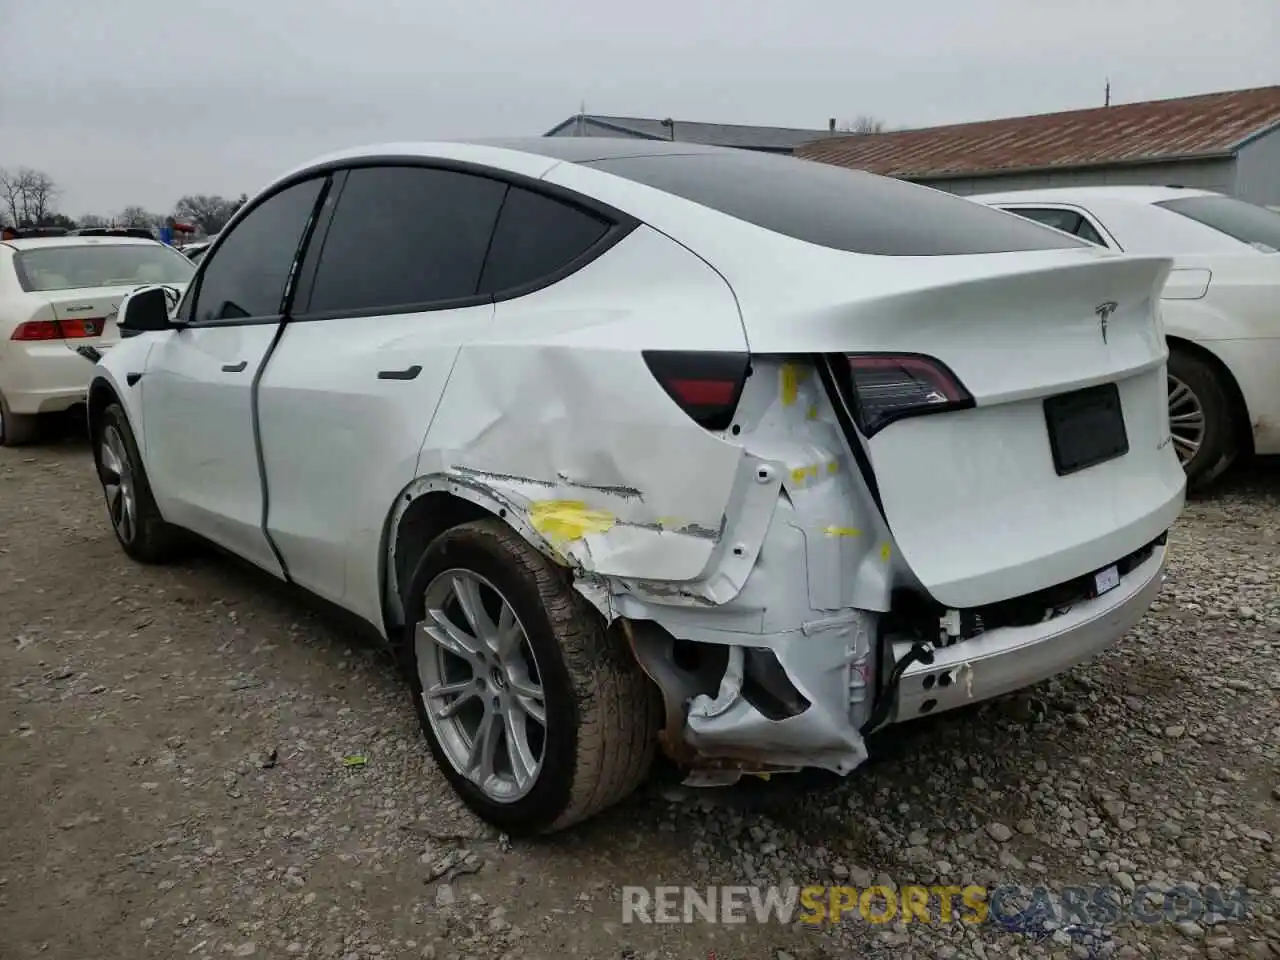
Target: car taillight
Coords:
[(706, 386), (889, 387), (37, 330), (90, 327), (58, 329)]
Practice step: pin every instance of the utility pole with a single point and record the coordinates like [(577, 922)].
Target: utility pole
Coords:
[(1108, 100)]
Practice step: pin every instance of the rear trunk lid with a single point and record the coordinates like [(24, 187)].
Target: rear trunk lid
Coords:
[(1055, 460), (87, 316)]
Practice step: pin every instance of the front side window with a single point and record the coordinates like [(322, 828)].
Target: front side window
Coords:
[(99, 265), (537, 237), (833, 206), (247, 275), (1254, 225), (405, 237)]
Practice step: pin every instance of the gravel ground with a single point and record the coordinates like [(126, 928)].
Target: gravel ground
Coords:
[(175, 783)]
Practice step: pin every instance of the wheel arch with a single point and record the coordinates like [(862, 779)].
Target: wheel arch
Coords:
[(101, 395), (424, 510), (1239, 408)]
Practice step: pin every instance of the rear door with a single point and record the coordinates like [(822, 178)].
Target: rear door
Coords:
[(388, 295), (197, 390)]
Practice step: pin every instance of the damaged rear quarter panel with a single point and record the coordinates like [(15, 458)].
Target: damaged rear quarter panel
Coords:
[(554, 412)]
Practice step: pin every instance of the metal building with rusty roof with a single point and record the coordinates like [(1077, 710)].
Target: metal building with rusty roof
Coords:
[(1229, 142)]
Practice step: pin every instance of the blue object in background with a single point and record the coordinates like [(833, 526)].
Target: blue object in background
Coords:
[(166, 235)]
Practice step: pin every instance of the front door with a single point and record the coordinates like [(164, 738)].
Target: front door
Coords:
[(362, 362), (198, 388)]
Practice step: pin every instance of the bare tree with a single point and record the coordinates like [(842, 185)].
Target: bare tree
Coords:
[(863, 124), (137, 217), (28, 194), (11, 195), (211, 213), (40, 192), (93, 220)]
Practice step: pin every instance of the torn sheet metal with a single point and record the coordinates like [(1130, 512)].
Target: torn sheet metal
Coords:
[(823, 667), (603, 453)]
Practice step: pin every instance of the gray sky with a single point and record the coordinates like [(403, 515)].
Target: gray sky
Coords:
[(141, 101)]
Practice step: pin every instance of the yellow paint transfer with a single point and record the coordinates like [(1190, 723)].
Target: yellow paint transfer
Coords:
[(790, 384), (562, 520)]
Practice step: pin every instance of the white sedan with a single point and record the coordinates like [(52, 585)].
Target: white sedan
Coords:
[(58, 295), (1221, 305), (620, 444)]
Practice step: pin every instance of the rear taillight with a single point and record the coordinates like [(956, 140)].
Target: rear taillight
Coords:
[(81, 328), (57, 329), (889, 387), (707, 386), (37, 330)]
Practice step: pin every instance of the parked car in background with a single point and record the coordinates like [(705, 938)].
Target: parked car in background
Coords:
[(57, 295), (618, 443), (195, 251), (1221, 304), (142, 233)]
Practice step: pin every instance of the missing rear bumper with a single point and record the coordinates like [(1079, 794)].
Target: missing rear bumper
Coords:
[(794, 703)]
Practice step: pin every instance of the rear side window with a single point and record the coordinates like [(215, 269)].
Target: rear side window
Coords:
[(1064, 220), (99, 265), (1087, 231), (404, 237), (536, 238), (1245, 222), (1067, 221), (246, 277), (836, 207)]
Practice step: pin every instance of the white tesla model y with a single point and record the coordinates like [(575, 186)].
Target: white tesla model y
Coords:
[(626, 444)]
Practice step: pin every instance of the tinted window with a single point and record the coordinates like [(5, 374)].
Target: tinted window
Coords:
[(1086, 231), (1235, 218), (404, 236), (535, 237), (100, 265), (835, 207), (246, 277), (1064, 220)]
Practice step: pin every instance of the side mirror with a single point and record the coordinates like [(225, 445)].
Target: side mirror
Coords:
[(142, 311)]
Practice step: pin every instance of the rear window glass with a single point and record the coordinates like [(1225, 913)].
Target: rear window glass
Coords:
[(100, 265), (1243, 221), (836, 207)]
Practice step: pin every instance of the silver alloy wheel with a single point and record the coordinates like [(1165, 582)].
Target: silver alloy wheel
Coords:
[(1186, 420), (117, 484), (481, 685)]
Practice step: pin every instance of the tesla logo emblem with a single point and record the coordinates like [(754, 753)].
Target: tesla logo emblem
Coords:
[(1104, 311)]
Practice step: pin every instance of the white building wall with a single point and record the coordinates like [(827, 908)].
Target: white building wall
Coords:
[(1258, 170)]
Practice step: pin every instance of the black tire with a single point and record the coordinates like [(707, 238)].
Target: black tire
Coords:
[(602, 711), (1219, 447), (17, 429), (148, 539)]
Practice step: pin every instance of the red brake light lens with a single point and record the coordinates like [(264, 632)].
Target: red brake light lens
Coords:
[(889, 387), (58, 329), (707, 386), (37, 330), (81, 327)]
